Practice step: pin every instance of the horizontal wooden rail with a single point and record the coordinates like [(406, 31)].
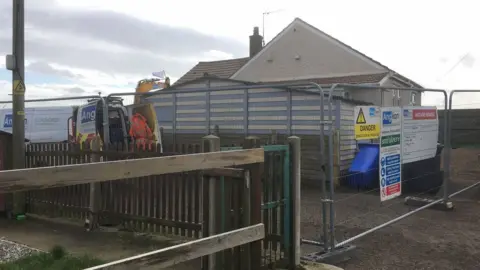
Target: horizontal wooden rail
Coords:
[(174, 255), (47, 177)]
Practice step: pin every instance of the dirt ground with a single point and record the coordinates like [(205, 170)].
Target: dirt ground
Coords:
[(429, 239), (107, 246)]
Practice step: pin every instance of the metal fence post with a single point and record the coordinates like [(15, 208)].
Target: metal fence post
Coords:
[(295, 150), (210, 143), (256, 200)]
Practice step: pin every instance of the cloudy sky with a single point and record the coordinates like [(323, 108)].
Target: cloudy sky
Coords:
[(78, 47)]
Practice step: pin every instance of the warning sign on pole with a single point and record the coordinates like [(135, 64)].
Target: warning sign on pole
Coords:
[(367, 122)]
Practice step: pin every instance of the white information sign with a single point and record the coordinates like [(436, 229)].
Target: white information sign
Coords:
[(420, 133), (390, 161)]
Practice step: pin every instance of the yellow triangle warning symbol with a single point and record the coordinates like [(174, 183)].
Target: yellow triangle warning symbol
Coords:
[(361, 117)]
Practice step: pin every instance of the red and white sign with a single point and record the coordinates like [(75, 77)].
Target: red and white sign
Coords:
[(424, 114), (394, 189)]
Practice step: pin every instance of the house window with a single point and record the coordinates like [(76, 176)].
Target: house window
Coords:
[(412, 98)]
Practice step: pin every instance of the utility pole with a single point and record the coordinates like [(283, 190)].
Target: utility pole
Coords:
[(18, 97)]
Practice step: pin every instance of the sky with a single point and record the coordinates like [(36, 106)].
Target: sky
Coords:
[(84, 47)]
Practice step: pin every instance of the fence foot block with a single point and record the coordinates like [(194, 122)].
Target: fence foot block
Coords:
[(419, 202), (338, 255)]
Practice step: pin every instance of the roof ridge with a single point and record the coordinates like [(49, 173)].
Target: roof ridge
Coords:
[(224, 60)]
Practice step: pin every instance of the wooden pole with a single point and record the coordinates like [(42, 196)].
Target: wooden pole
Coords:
[(211, 143), (95, 194), (246, 256), (256, 201), (295, 154)]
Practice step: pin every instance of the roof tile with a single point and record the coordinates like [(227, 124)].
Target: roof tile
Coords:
[(222, 69)]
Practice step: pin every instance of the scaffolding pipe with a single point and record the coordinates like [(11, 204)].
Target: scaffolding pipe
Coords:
[(381, 226)]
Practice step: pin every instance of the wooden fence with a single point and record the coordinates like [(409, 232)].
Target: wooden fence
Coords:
[(168, 203)]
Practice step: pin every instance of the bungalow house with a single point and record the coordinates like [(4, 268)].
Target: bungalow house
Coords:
[(188, 109), (303, 53)]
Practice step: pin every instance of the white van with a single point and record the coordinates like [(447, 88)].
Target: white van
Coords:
[(42, 124)]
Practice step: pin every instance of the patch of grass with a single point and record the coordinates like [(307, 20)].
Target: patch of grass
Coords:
[(56, 259)]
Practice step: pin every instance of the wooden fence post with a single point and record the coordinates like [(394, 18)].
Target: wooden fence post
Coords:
[(256, 201), (211, 206), (95, 194), (246, 215), (295, 154)]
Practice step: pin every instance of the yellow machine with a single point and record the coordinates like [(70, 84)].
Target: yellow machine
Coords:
[(127, 124), (147, 85)]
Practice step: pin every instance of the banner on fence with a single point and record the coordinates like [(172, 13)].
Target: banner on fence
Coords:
[(420, 133), (367, 122), (390, 153)]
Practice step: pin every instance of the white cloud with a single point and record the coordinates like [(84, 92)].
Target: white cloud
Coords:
[(418, 43)]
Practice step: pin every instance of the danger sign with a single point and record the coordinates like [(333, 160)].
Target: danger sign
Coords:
[(361, 117), (367, 122)]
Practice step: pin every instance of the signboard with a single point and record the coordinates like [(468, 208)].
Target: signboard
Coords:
[(390, 165), (87, 119), (8, 121), (420, 133), (367, 122)]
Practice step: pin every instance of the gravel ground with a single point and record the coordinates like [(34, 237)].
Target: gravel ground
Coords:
[(429, 239), (10, 251)]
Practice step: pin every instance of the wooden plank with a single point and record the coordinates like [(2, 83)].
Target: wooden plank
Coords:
[(174, 255), (41, 178)]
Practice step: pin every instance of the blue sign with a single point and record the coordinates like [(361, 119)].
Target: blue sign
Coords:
[(393, 179), (371, 111), (391, 170), (405, 113), (383, 171), (383, 161), (88, 114), (393, 159), (8, 121), (387, 118), (383, 182)]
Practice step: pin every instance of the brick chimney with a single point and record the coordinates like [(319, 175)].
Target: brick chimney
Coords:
[(256, 42)]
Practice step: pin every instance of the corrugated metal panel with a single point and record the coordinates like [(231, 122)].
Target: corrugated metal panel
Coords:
[(306, 114), (348, 145), (227, 111), (262, 110)]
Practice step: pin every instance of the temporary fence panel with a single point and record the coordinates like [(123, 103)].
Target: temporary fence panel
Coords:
[(331, 248)]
